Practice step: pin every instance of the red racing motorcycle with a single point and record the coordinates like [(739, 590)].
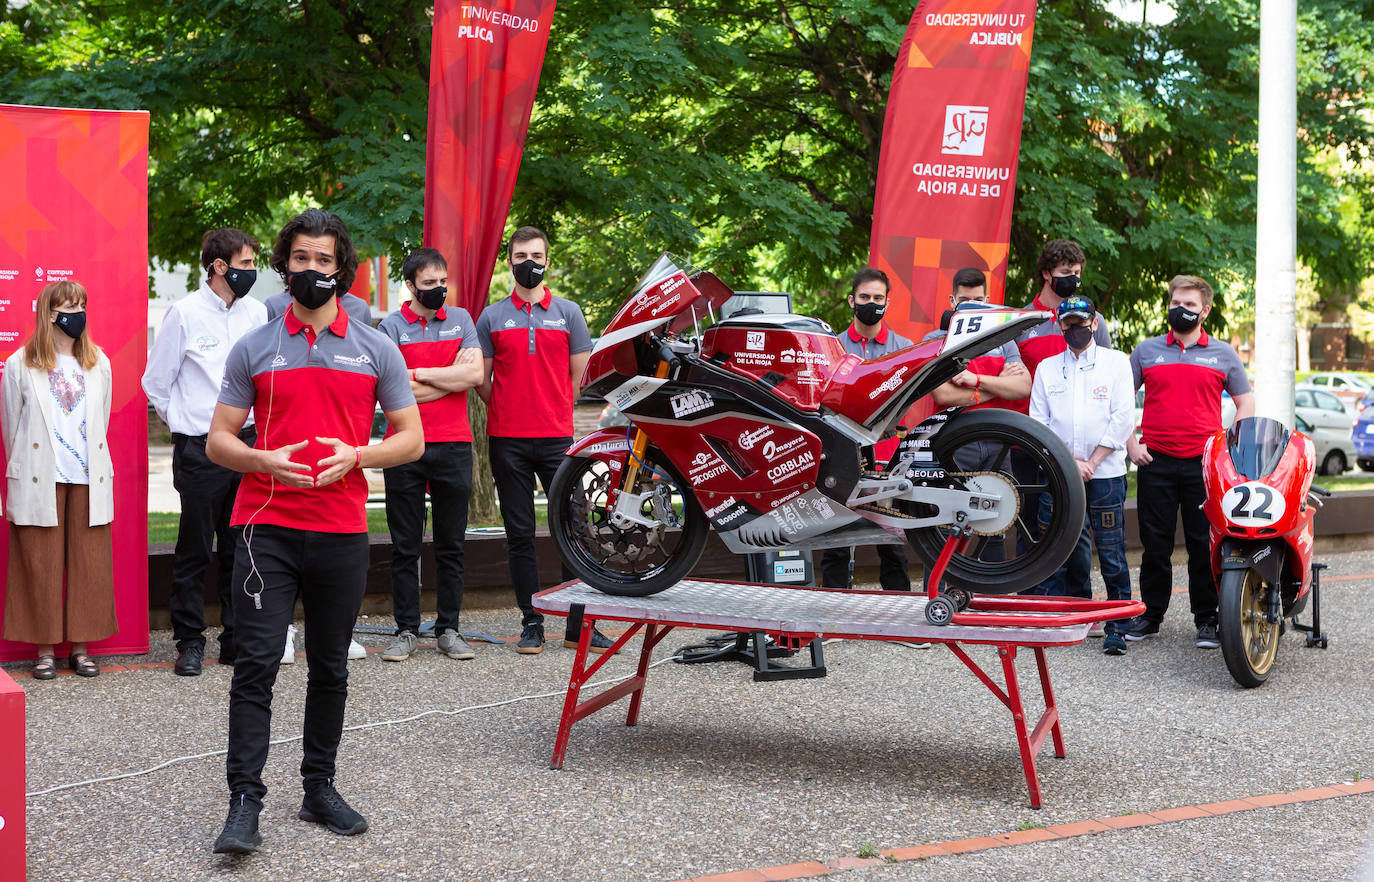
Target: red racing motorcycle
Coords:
[(1260, 503), (762, 427)]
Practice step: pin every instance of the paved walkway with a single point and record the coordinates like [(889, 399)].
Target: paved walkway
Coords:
[(896, 766)]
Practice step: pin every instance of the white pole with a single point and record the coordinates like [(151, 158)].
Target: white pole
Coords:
[(1276, 223)]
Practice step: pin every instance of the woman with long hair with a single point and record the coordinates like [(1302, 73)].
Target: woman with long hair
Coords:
[(55, 403)]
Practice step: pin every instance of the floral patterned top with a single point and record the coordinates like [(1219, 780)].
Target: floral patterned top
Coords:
[(67, 386)]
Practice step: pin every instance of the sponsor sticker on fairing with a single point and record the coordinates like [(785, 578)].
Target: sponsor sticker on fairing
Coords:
[(772, 451), (889, 384), (748, 439), (717, 509), (690, 402), (796, 463)]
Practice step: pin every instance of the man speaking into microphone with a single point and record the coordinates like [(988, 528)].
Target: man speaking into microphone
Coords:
[(312, 378)]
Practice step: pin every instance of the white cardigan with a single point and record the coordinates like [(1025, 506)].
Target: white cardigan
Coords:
[(31, 467)]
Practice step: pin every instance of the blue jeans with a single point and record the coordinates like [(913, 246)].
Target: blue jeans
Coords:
[(1104, 526)]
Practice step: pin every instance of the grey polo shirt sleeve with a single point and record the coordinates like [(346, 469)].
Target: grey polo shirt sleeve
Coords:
[(1137, 372), (393, 380), (579, 339), (1009, 352), (470, 340), (390, 328), (1236, 381), (1103, 335), (237, 388), (483, 334)]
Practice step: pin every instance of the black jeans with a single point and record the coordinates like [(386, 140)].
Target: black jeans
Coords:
[(446, 469), (207, 498), (892, 568), (514, 464), (1165, 489), (328, 572)]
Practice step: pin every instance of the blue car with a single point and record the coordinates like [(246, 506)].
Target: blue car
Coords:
[(1362, 433)]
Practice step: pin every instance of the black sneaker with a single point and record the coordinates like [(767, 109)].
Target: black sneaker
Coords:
[(600, 642), (189, 661), (1141, 628), (240, 835), (531, 640), (325, 806), (1207, 637), (1114, 644)]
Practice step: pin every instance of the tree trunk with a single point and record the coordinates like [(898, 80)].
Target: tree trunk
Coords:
[(482, 508)]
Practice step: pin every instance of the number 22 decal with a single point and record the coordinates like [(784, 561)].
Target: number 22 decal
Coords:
[(1252, 504)]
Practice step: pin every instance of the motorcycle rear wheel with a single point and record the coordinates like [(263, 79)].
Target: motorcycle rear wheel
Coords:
[(1248, 643), (626, 562), (1029, 457)]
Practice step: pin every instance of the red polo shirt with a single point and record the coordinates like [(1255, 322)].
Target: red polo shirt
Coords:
[(435, 343)]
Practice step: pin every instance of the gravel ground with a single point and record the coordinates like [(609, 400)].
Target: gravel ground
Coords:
[(896, 747)]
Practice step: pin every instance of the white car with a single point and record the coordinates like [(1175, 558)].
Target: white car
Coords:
[(1327, 420), (1347, 385)]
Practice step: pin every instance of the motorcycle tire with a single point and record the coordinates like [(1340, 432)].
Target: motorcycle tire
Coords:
[(590, 545), (1248, 643), (1027, 455)]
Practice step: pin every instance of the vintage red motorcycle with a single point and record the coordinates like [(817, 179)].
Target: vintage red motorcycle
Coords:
[(759, 426), (1260, 503)]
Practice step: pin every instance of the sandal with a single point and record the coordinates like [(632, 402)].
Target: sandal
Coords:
[(83, 666), (45, 668)]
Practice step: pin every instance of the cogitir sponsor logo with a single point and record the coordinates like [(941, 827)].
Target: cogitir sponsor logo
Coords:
[(889, 384), (747, 440), (800, 461)]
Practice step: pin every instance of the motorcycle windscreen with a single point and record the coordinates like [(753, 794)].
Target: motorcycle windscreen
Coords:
[(1256, 445)]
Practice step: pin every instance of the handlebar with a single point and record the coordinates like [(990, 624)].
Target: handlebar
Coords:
[(1320, 491)]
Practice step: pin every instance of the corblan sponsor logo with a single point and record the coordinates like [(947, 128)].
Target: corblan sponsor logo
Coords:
[(800, 461)]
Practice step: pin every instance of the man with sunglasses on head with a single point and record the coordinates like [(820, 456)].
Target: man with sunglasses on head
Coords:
[(182, 379)]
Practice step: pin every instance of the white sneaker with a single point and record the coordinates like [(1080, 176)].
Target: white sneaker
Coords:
[(355, 650), (289, 653)]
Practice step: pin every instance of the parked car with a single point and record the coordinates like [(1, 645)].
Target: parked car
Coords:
[(1328, 418), (1348, 386), (1362, 433)]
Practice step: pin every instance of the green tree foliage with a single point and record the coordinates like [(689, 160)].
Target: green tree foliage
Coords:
[(741, 134)]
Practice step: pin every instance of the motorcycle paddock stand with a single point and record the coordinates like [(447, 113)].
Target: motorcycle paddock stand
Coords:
[(754, 649), (1315, 635)]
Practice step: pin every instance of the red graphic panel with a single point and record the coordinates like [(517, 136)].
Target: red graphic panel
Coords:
[(951, 140), (484, 71), (76, 207)]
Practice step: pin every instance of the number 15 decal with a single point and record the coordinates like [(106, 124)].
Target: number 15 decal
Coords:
[(1253, 504)]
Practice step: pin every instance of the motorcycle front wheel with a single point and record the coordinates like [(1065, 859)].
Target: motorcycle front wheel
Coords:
[(1004, 452), (635, 560), (1248, 642)]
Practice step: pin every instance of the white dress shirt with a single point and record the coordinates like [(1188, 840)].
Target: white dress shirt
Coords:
[(186, 362), (1088, 400)]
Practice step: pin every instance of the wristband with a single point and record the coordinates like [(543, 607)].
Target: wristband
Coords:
[(975, 393), (413, 377), (358, 453)]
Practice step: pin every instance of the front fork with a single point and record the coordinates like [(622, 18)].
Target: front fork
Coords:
[(637, 448)]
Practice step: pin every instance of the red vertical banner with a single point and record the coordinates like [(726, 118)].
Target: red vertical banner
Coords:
[(483, 75), (76, 208), (951, 140)]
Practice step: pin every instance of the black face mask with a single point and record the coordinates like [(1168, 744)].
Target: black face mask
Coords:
[(432, 298), (1182, 320), (311, 288), (1065, 286), (1078, 337), (528, 274), (72, 323), (870, 313), (240, 281), (944, 319)]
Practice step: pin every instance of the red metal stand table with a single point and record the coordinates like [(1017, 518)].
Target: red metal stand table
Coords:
[(794, 617)]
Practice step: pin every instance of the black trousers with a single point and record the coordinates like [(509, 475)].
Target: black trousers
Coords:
[(892, 568), (514, 464), (207, 498), (1165, 489), (328, 573), (446, 470)]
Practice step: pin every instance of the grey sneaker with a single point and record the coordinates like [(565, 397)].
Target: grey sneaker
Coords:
[(453, 645), (401, 647)]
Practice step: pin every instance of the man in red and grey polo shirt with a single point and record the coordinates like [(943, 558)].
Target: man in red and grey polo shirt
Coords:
[(993, 380), (869, 337), (1061, 276), (312, 379), (1184, 373), (535, 347), (439, 345)]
